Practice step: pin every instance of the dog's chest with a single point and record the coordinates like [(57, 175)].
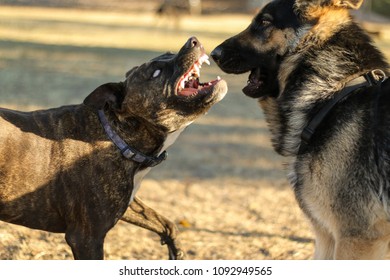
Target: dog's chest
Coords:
[(141, 174)]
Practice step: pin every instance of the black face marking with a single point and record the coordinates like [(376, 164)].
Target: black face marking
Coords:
[(260, 48)]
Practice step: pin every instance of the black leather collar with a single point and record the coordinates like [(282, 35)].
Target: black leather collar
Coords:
[(369, 79), (127, 151)]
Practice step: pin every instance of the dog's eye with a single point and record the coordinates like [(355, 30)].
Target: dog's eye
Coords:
[(262, 23), (156, 73), (265, 22)]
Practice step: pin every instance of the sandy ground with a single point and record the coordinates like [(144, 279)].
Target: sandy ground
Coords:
[(222, 184)]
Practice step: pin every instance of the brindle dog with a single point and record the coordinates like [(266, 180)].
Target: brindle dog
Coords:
[(76, 169)]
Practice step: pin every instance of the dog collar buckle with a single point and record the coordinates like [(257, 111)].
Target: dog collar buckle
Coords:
[(127, 153), (375, 77)]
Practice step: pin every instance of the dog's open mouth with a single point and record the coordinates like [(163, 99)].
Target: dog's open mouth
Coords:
[(255, 83), (189, 84)]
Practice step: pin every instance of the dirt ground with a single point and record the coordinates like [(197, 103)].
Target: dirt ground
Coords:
[(222, 184)]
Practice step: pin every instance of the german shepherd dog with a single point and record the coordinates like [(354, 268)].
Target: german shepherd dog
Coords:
[(323, 88)]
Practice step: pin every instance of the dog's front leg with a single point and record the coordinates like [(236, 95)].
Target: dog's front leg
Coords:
[(324, 244), (141, 215), (361, 248), (85, 246)]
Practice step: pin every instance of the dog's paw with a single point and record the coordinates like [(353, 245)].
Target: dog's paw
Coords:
[(176, 254), (174, 251), (180, 255)]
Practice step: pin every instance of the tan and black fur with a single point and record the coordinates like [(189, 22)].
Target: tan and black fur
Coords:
[(300, 54), (60, 172)]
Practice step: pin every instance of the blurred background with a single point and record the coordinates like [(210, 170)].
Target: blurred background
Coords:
[(52, 51), (222, 184)]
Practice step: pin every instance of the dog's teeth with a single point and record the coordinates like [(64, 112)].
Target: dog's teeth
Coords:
[(204, 59), (196, 70), (182, 83), (218, 78)]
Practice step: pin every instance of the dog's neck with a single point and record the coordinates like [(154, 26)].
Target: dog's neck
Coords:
[(145, 138), (138, 134), (322, 71)]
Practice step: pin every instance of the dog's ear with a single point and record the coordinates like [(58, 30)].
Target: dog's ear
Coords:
[(131, 71), (349, 4), (335, 10), (111, 94)]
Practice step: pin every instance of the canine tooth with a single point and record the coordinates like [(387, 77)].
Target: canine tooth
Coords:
[(218, 78), (205, 58), (196, 70)]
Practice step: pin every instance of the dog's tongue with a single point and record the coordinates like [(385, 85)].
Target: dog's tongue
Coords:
[(188, 91), (251, 90), (253, 85)]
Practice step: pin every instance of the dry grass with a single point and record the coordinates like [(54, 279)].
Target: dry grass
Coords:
[(222, 184)]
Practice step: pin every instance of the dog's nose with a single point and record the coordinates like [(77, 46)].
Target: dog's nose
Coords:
[(216, 54), (192, 42)]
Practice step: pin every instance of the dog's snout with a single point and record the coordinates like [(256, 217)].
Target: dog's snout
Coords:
[(193, 42), (216, 54)]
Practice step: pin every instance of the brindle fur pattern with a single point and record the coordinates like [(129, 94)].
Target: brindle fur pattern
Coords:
[(342, 180), (59, 172)]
